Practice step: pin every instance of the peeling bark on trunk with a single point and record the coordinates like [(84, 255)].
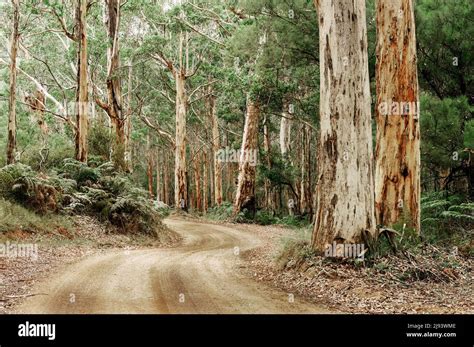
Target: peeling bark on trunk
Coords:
[(397, 171), (82, 93), (245, 196), (345, 196), (11, 141), (181, 199)]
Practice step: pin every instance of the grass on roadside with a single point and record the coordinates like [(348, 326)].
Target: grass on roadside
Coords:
[(16, 218)]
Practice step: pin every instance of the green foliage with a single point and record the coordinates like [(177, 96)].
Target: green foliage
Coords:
[(134, 215), (112, 197), (446, 49), (295, 249), (294, 221), (80, 172), (21, 184), (9, 174), (443, 126), (222, 212), (446, 219), (447, 128), (79, 188), (264, 217), (99, 141)]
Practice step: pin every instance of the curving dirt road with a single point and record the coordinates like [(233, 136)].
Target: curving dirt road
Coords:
[(201, 276)]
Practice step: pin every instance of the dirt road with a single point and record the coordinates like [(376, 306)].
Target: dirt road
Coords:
[(201, 276)]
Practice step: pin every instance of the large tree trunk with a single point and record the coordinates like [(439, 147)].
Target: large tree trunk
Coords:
[(245, 196), (345, 195), (180, 190), (397, 171), (11, 142), (82, 93), (216, 144)]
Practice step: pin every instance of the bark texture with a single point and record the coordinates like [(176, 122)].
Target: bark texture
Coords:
[(397, 171), (216, 144), (345, 196), (245, 196), (82, 93), (181, 198)]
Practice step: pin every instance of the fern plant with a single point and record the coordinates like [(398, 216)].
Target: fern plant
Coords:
[(446, 217)]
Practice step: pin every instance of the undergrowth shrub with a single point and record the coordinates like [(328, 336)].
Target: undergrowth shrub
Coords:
[(222, 212), (77, 188)]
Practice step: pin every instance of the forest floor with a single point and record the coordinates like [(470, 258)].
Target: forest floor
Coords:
[(213, 267), (344, 287)]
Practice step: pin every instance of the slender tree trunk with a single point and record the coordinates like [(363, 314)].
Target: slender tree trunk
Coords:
[(305, 188), (269, 201), (114, 88), (166, 180), (345, 195), (128, 121), (11, 142), (285, 137), (180, 190), (205, 188), (197, 180), (159, 197), (397, 170), (211, 178), (150, 165), (216, 144), (82, 93), (230, 169), (245, 196), (285, 130)]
